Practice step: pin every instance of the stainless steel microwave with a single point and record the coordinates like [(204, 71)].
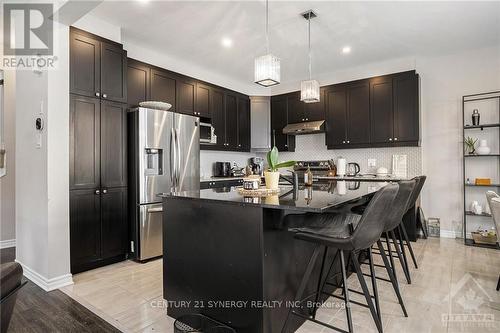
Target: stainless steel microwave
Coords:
[(207, 134)]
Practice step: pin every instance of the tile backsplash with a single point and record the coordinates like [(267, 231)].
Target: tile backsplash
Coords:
[(312, 147)]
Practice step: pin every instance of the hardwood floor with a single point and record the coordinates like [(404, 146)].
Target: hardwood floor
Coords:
[(39, 311)]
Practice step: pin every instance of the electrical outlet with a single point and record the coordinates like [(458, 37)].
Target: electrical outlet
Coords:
[(372, 163)]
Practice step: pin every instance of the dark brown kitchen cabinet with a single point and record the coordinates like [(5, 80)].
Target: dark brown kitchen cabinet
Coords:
[(381, 109), (98, 67), (113, 145), (138, 83), (114, 222), (279, 119), (218, 118), (336, 116), (316, 111), (358, 114), (295, 108), (84, 141), (243, 123), (406, 106), (231, 110), (186, 92), (202, 106), (164, 88), (98, 180)]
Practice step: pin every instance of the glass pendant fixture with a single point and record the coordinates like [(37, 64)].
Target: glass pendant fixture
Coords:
[(267, 67), (309, 89)]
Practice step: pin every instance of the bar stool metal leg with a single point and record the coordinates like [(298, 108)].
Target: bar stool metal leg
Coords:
[(345, 291), (391, 258), (374, 282), (303, 283), (403, 251), (319, 288), (405, 235), (401, 258), (366, 292), (393, 279), (498, 283)]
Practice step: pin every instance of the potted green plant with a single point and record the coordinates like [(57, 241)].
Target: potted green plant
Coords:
[(272, 176), (470, 145)]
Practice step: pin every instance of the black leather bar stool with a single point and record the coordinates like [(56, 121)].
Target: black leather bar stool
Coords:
[(346, 233)]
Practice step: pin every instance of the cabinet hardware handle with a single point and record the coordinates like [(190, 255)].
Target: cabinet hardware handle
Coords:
[(239, 145), (104, 191), (395, 139), (343, 141), (307, 118), (348, 141), (104, 96), (97, 192), (97, 94), (390, 139), (286, 145)]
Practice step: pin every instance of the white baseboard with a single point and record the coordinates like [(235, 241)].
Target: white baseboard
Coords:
[(448, 234), (43, 282), (7, 243)]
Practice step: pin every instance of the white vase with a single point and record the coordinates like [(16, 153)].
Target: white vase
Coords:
[(272, 179), (483, 148)]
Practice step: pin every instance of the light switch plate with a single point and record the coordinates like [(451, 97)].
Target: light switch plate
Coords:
[(372, 162)]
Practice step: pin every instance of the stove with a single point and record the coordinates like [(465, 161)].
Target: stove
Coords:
[(318, 168)]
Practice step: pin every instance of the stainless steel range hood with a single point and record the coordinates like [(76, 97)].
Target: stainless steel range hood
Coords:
[(304, 128)]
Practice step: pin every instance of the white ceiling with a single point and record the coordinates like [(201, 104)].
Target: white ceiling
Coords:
[(376, 31)]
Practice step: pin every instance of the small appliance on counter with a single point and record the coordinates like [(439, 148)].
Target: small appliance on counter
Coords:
[(353, 169), (237, 171), (341, 166), (257, 165), (222, 169), (317, 168)]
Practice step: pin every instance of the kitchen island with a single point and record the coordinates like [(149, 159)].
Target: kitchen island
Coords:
[(233, 259)]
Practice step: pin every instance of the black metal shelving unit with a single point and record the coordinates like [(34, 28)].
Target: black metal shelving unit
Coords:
[(467, 186)]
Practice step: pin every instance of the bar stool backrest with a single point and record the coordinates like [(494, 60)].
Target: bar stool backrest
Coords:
[(416, 191), (372, 223), (398, 209)]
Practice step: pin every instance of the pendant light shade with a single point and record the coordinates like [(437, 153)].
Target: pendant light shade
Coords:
[(267, 67), (267, 70), (309, 89)]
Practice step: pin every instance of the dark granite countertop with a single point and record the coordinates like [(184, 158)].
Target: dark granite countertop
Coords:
[(307, 199)]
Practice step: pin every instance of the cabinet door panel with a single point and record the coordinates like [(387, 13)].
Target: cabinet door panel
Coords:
[(218, 117), (84, 159), (279, 119), (295, 108), (315, 111), (113, 73), (231, 121), (85, 227), (406, 118), (358, 115), (138, 80), (114, 222), (381, 110), (164, 88), (244, 123), (202, 100), (185, 96), (113, 144), (85, 65), (336, 116)]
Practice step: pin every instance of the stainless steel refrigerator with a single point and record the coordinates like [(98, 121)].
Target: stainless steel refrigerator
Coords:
[(164, 152)]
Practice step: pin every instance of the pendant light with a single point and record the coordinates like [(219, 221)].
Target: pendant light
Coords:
[(267, 67), (309, 89)]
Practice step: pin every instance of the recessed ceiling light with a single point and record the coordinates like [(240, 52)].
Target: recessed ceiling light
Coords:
[(227, 42), (143, 1), (346, 49)]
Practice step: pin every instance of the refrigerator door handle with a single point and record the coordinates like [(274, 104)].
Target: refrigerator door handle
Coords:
[(172, 158), (178, 149)]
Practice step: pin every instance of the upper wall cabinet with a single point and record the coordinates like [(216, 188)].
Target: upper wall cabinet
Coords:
[(98, 67), (138, 83), (164, 87), (186, 93), (279, 119), (202, 106)]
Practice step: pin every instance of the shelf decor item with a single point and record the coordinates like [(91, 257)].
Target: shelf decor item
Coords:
[(484, 237), (483, 148), (272, 176), (470, 145), (309, 89), (267, 67), (475, 117), (483, 181)]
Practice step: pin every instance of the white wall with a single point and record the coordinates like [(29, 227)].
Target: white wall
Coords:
[(7, 183)]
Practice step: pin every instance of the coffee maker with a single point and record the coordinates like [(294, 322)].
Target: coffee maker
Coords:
[(257, 165)]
